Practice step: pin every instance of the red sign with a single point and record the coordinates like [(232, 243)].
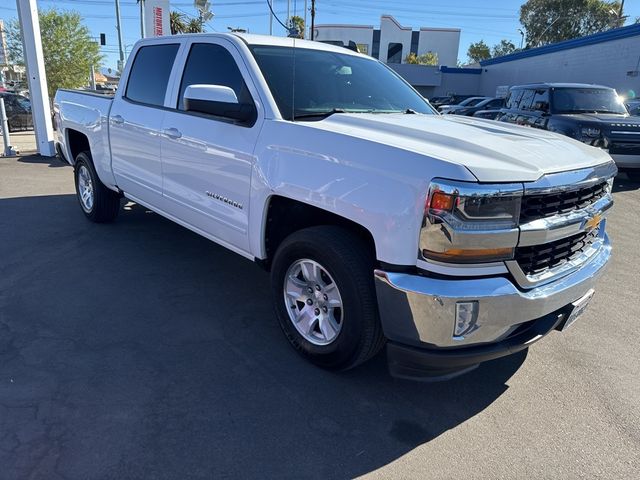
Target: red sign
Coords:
[(157, 21)]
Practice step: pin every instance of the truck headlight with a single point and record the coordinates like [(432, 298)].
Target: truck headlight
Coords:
[(590, 132), (470, 223)]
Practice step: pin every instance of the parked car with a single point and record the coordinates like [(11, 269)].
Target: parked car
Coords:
[(486, 104), (449, 100), (634, 107), (379, 220), (18, 110), (437, 101), (592, 114), (469, 102), (488, 114)]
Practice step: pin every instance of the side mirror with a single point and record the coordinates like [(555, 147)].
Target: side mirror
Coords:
[(217, 100)]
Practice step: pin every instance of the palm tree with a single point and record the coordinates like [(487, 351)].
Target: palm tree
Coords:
[(194, 26), (177, 23), (298, 23)]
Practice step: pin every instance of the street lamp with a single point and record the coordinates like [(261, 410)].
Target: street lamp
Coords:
[(521, 37)]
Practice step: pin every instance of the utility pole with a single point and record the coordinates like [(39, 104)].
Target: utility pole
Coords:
[(304, 34), (142, 32), (620, 14), (119, 28), (288, 13), (270, 17), (313, 18)]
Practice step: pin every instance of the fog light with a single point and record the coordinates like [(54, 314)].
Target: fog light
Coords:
[(466, 318)]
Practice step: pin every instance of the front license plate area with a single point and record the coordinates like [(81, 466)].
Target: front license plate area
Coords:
[(579, 306)]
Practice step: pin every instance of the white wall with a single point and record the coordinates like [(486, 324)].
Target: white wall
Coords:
[(392, 32), (360, 34), (443, 41), (603, 63)]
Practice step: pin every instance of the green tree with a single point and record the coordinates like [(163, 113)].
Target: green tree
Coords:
[(297, 23), (478, 51), (68, 49), (505, 47), (428, 58), (550, 21), (177, 23), (194, 26)]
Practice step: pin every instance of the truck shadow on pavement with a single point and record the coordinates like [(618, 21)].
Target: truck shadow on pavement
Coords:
[(141, 350)]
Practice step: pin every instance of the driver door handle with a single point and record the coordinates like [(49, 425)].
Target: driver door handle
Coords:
[(172, 133), (117, 120)]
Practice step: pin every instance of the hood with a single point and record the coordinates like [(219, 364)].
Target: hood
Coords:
[(491, 151)]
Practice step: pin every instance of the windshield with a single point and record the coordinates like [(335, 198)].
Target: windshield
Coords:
[(23, 102), (471, 102), (586, 100), (328, 82)]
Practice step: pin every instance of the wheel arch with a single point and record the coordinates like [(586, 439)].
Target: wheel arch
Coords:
[(77, 142), (284, 216)]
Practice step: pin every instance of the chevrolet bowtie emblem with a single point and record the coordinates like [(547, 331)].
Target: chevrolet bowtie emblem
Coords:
[(593, 222)]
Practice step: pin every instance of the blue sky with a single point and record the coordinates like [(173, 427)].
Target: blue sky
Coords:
[(490, 20)]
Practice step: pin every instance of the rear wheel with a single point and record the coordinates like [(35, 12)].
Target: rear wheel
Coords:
[(323, 291), (98, 203)]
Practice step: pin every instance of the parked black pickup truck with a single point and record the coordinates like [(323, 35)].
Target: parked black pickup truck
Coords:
[(592, 114)]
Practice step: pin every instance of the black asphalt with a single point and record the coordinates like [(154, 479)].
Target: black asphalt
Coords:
[(141, 350)]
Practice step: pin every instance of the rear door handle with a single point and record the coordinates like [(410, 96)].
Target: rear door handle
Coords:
[(117, 120), (172, 133)]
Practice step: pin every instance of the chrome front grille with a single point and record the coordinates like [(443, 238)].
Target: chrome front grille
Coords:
[(536, 259), (545, 205), (562, 224)]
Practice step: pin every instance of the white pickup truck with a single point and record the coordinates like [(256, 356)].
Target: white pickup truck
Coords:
[(449, 239)]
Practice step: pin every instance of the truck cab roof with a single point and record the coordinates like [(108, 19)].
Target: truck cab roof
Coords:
[(251, 39)]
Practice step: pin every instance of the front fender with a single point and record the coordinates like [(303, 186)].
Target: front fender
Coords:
[(377, 186)]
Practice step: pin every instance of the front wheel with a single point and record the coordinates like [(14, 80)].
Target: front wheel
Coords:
[(324, 296), (98, 203)]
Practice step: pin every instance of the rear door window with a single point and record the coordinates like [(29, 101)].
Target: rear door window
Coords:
[(541, 100), (526, 101), (150, 73), (513, 99)]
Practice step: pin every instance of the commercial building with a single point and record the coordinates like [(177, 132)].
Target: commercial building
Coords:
[(392, 42), (610, 58)]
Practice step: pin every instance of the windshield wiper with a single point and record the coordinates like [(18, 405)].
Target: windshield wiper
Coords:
[(319, 115)]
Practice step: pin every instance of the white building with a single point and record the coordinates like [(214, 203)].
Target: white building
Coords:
[(392, 42)]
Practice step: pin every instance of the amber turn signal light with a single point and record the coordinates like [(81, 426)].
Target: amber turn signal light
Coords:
[(442, 201)]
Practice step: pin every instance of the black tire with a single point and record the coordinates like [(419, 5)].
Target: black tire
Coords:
[(350, 263), (106, 202)]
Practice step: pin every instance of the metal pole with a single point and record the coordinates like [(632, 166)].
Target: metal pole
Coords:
[(142, 32), (270, 18), (313, 18), (8, 149), (288, 13), (304, 34), (620, 21), (119, 28), (34, 60), (92, 78)]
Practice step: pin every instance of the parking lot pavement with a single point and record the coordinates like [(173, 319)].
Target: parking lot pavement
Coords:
[(141, 350)]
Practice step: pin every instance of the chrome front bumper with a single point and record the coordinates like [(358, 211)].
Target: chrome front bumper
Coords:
[(420, 311)]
